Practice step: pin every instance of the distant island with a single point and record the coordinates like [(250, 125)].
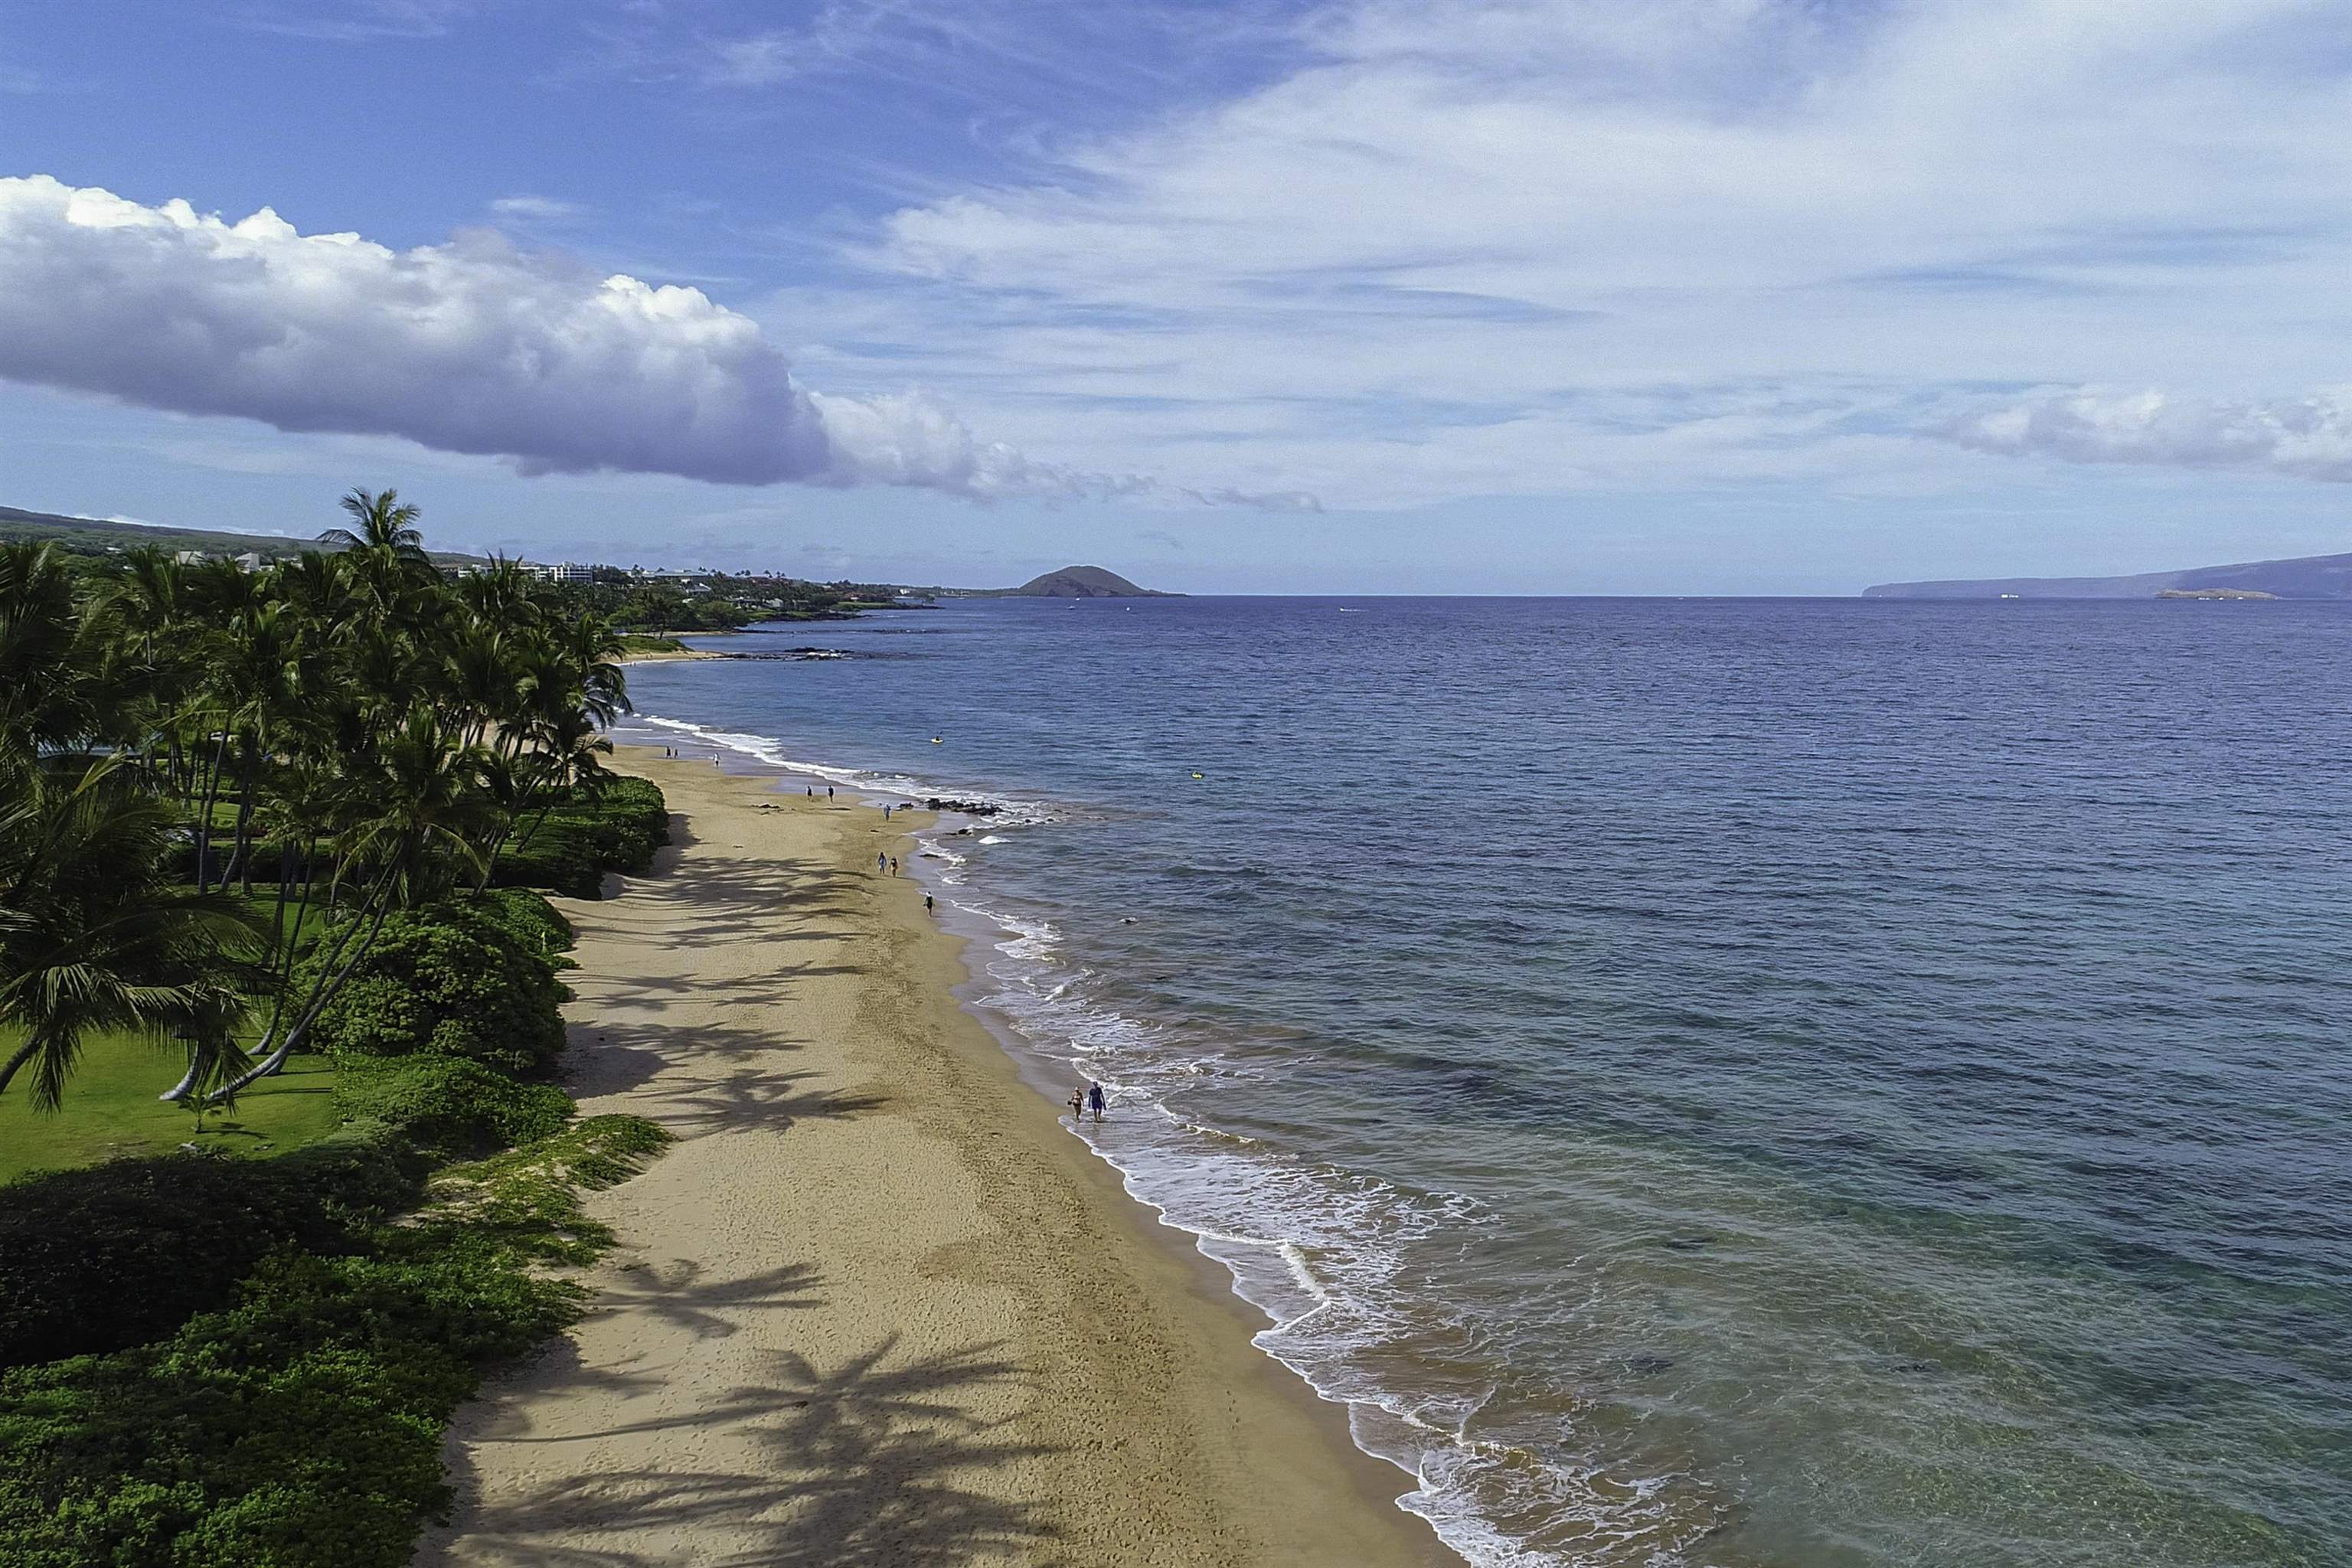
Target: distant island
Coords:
[(2304, 577), (1069, 582)]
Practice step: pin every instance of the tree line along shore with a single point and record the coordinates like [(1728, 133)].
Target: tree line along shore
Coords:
[(282, 1152)]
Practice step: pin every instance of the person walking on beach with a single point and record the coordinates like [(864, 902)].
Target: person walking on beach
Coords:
[(1095, 1099), (881, 862), (927, 903), (828, 792), (894, 864), (1078, 1106)]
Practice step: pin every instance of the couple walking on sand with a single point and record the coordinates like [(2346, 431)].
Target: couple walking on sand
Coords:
[(1082, 1099)]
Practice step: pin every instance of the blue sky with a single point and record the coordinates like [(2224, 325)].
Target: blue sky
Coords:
[(1698, 296)]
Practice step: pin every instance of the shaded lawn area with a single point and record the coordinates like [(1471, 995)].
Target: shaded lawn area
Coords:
[(111, 1110)]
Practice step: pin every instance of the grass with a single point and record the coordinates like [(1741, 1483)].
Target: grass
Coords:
[(111, 1110)]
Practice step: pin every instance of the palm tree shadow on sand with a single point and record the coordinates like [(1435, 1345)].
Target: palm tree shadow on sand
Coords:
[(868, 1464)]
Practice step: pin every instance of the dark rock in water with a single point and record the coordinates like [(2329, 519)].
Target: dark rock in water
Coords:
[(1686, 1242), (1649, 1365), (967, 807)]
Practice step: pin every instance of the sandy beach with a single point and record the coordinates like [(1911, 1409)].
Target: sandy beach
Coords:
[(876, 1307), (668, 656)]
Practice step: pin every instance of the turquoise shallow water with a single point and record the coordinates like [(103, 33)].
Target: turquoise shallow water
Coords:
[(1711, 1082)]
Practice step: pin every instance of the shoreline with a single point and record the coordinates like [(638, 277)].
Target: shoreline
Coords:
[(672, 656), (878, 1299)]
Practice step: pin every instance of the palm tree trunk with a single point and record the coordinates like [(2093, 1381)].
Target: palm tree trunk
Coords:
[(25, 1053), (239, 858), (197, 1055), (204, 814), (275, 1062)]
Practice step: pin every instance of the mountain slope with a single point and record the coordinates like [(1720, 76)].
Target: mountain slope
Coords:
[(93, 535), (2304, 577)]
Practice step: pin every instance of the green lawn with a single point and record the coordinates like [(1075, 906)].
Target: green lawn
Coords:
[(110, 1109)]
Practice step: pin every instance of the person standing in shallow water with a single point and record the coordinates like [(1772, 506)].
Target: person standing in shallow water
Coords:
[(1095, 1099), (1078, 1106)]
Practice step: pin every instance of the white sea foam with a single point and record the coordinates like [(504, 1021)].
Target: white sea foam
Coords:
[(1009, 811)]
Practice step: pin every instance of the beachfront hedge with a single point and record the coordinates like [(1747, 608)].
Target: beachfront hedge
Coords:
[(615, 827), (300, 1427), (118, 1254), (448, 1105), (471, 977)]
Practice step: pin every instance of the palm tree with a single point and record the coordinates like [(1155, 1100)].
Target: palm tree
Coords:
[(56, 691), (256, 685), (94, 933), (386, 551)]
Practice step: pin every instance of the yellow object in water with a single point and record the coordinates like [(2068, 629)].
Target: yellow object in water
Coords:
[(1200, 775), (937, 741)]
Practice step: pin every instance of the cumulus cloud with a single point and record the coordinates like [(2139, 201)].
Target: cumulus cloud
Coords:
[(2304, 437), (470, 347)]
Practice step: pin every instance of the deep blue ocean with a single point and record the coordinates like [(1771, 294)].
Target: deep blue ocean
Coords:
[(1726, 1083)]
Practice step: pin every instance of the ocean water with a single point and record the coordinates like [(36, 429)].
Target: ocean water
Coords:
[(1729, 1083)]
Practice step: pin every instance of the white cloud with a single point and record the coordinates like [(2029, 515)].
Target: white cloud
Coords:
[(528, 209), (1475, 247), (762, 59), (357, 21), (469, 347), (2306, 438)]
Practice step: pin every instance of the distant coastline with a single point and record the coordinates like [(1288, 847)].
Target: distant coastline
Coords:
[(2302, 578)]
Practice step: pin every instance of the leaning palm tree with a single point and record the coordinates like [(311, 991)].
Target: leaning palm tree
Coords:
[(415, 812), (95, 933)]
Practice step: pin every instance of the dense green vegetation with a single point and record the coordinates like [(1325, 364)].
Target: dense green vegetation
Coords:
[(718, 601), (298, 1423), (353, 729), (271, 834), (95, 536), (577, 838)]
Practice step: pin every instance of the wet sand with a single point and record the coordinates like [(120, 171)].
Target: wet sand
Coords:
[(876, 1307)]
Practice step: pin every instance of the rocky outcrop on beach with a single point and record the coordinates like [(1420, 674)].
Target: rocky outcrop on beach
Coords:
[(964, 807)]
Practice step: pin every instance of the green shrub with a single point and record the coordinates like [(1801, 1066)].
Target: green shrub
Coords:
[(527, 1198), (584, 835), (470, 977), (301, 1428), (448, 1104), (118, 1254)]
